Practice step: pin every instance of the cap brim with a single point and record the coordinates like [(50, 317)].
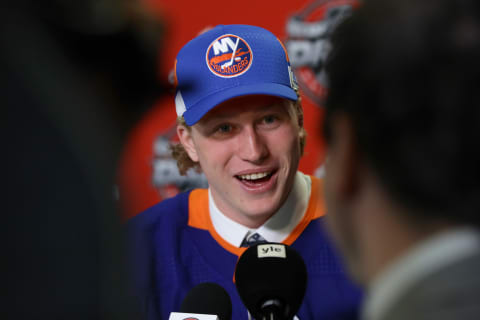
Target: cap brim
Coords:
[(198, 110)]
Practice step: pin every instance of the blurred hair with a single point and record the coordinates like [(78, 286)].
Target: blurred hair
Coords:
[(184, 163), (407, 75)]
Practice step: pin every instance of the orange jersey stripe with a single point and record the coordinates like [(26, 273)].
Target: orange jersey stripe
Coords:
[(199, 217), (316, 208)]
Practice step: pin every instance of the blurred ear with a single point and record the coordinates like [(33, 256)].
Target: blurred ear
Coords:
[(342, 165), (186, 140)]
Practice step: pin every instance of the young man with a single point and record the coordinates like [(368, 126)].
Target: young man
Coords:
[(241, 123), (402, 179)]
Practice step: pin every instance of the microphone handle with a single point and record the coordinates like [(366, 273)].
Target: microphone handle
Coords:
[(272, 316)]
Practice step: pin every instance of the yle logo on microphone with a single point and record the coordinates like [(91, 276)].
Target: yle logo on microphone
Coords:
[(271, 251)]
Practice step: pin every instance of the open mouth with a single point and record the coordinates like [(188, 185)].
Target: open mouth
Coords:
[(255, 178)]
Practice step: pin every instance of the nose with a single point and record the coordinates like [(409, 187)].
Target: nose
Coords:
[(251, 146)]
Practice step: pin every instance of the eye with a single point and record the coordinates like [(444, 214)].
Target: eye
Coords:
[(224, 128), (222, 131), (269, 119)]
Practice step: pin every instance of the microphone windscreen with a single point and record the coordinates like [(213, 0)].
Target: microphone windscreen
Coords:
[(271, 272), (208, 298)]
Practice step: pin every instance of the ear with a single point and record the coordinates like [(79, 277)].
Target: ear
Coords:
[(343, 160), (186, 139)]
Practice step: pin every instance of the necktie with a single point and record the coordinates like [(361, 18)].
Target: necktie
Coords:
[(252, 239)]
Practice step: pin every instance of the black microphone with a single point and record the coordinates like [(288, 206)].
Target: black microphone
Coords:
[(271, 279), (208, 298)]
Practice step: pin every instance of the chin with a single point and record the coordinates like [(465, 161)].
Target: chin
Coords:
[(261, 212)]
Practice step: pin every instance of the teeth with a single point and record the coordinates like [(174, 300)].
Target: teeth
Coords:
[(254, 176)]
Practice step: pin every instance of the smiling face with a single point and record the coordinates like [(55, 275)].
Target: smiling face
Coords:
[(249, 149)]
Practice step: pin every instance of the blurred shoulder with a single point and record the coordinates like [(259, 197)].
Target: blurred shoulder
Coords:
[(170, 211)]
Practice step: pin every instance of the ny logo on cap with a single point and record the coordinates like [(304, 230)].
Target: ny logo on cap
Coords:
[(229, 56)]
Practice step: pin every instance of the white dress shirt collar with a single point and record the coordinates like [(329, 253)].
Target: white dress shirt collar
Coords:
[(275, 229)]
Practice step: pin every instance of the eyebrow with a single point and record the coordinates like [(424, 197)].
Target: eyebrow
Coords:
[(221, 116)]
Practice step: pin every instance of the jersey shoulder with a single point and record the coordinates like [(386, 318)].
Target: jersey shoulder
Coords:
[(167, 213)]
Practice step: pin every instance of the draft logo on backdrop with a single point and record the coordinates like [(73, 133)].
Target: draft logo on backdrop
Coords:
[(308, 43), (229, 56)]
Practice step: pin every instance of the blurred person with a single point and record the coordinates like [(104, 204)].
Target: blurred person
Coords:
[(75, 75), (241, 123), (402, 177)]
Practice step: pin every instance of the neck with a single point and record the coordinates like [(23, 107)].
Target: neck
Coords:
[(385, 232), (249, 220)]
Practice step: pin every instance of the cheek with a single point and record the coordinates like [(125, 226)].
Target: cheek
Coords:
[(327, 187), (213, 155), (338, 226), (333, 224), (286, 142), (333, 215), (341, 225)]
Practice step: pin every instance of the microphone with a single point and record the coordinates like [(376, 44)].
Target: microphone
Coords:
[(271, 279), (206, 301)]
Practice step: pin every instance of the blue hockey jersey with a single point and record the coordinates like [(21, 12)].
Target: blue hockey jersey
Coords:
[(174, 247)]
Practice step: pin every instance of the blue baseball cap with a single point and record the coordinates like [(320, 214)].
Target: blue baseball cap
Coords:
[(230, 61)]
